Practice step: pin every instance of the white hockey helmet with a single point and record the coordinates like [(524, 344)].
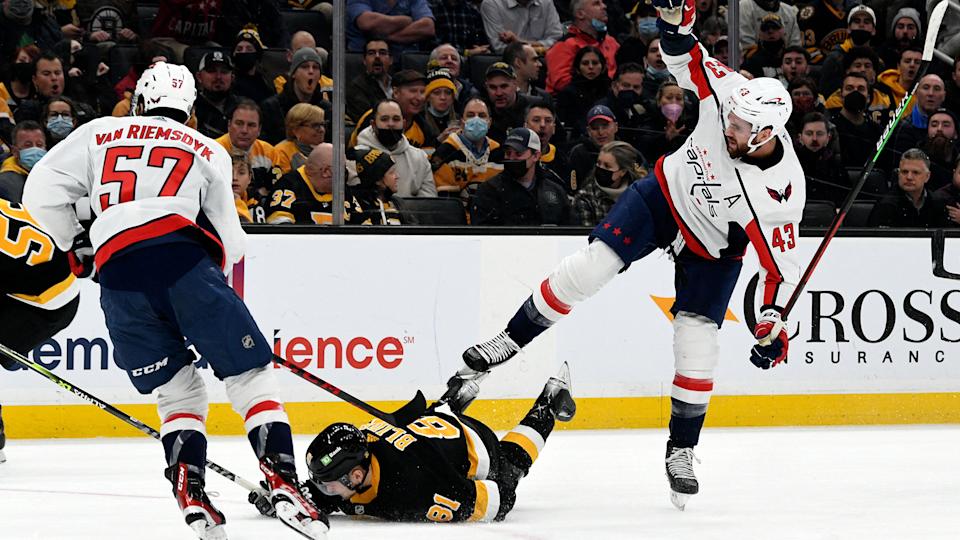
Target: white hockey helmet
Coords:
[(168, 86), (762, 102)]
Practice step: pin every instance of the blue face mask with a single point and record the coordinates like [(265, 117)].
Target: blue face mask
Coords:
[(475, 129), (60, 126), (598, 25), (647, 26), (30, 156)]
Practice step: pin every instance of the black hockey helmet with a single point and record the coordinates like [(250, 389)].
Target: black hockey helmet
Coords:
[(336, 451)]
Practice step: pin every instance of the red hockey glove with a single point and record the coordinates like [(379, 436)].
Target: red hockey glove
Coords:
[(81, 255), (772, 340)]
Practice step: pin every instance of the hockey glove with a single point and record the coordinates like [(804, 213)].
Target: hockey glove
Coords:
[(81, 256), (260, 498), (772, 340), (676, 16)]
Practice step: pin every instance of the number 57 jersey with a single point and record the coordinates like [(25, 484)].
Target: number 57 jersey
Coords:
[(719, 203), (147, 176)]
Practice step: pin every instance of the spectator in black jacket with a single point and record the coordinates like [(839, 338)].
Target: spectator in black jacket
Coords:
[(602, 128), (625, 102), (542, 119), (302, 87), (590, 83), (858, 133), (521, 194), (250, 81), (507, 105), (826, 178), (214, 93), (373, 85), (950, 196), (910, 203)]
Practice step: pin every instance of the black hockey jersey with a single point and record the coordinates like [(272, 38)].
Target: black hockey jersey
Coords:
[(294, 200), (34, 271), (434, 469), (823, 27)]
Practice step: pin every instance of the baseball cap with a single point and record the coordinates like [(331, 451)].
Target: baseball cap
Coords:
[(770, 21), (519, 139), (407, 76), (600, 112), (500, 68), (215, 57), (861, 9)]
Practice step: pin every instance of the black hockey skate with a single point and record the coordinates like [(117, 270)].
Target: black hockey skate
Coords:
[(683, 483), (199, 513), (462, 389), (3, 438), (491, 353), (557, 393), (293, 509)]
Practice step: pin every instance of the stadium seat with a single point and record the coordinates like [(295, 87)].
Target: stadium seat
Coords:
[(193, 54), (352, 66), (859, 214), (478, 68), (875, 187), (119, 58), (274, 62), (146, 14), (310, 21), (415, 60), (430, 211), (818, 214)]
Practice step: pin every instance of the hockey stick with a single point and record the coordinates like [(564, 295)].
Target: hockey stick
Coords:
[(419, 402), (933, 29), (255, 496)]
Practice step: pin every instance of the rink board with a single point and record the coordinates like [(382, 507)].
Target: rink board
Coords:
[(874, 337)]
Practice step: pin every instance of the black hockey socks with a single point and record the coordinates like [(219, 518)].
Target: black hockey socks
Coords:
[(271, 438), (185, 446), (527, 323), (686, 421), (523, 444)]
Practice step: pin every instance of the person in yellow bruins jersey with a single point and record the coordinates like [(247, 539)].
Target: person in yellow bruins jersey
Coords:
[(305, 195), (305, 130), (467, 157), (440, 466), (38, 293)]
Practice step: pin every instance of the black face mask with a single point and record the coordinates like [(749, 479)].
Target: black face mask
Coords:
[(627, 98), (23, 72), (515, 167), (604, 177), (860, 37), (855, 102), (245, 61), (773, 47), (389, 137)]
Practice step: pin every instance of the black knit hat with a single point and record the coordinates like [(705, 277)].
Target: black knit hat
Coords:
[(372, 164)]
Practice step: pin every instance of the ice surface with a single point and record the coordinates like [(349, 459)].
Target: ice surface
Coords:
[(766, 483)]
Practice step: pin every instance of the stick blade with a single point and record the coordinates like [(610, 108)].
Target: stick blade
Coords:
[(933, 29)]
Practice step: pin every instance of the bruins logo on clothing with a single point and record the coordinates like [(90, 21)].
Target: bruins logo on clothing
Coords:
[(806, 12)]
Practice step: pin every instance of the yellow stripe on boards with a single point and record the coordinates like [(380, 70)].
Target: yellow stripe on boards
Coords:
[(48, 421)]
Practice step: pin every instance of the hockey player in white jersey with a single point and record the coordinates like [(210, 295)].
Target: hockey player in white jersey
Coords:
[(153, 182), (735, 181)]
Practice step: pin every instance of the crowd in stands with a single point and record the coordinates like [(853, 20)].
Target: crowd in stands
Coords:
[(494, 112)]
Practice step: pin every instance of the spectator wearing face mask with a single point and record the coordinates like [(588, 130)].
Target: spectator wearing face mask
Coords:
[(60, 119), (819, 157), (668, 124), (752, 13), (806, 99), (864, 60), (602, 128), (468, 157), (29, 145), (905, 30), (386, 133), (249, 79), (940, 145), (861, 29), (858, 132), (409, 91), (590, 83), (19, 85), (618, 166), (763, 59), (624, 99)]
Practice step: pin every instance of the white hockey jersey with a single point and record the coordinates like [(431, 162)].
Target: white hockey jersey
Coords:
[(714, 197), (146, 176)]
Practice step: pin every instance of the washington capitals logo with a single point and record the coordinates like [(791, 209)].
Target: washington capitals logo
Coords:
[(781, 196)]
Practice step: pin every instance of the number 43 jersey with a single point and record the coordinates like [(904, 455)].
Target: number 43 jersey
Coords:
[(720, 203), (435, 468), (147, 176)]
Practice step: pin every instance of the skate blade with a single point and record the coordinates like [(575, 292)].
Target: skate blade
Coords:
[(288, 514), (217, 532), (3, 456), (679, 499)]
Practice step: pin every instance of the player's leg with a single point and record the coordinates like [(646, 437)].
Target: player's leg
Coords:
[(218, 323), (149, 346), (520, 447), (703, 292), (639, 223), (23, 327)]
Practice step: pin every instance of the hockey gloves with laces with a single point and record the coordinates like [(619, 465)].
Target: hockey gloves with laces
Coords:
[(81, 256), (676, 16), (772, 340)]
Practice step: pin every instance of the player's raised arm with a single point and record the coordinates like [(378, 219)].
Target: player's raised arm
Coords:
[(686, 58)]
